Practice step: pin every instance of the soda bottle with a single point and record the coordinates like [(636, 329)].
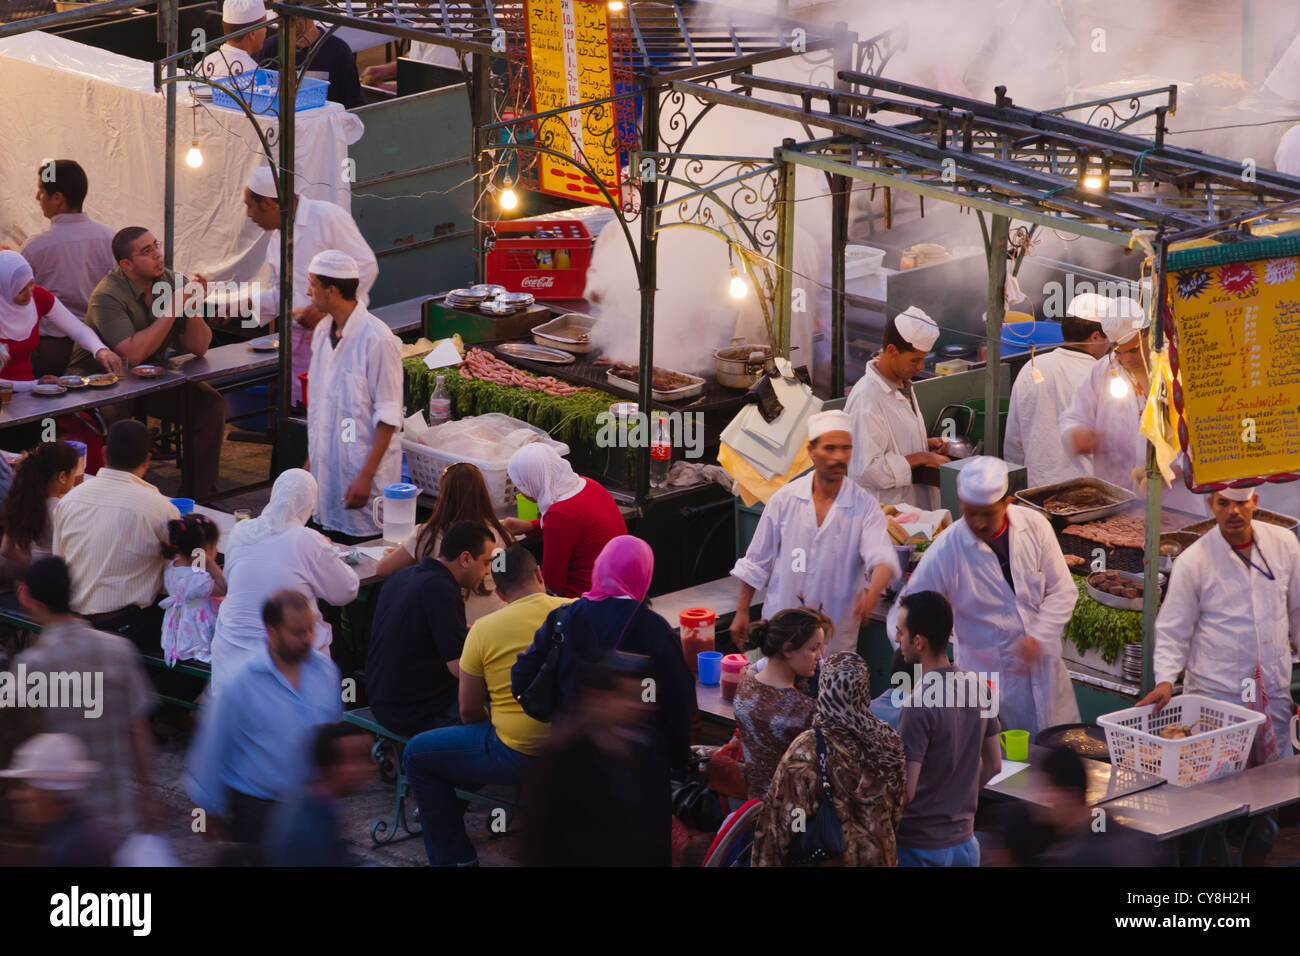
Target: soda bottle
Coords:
[(440, 403), (661, 451)]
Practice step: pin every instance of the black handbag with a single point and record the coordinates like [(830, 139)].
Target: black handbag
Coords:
[(824, 837), (694, 803), (539, 698)]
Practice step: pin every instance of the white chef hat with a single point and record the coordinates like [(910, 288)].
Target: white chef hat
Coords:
[(240, 13), (983, 481), (1124, 320), (334, 264), (824, 422), (261, 182), (1237, 494), (1089, 306), (917, 328)]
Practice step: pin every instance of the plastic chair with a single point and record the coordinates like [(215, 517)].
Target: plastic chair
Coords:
[(735, 839)]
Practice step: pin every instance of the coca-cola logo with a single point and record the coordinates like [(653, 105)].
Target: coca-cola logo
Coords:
[(537, 282)]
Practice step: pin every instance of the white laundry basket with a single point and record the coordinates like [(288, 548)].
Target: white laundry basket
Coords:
[(1220, 745)]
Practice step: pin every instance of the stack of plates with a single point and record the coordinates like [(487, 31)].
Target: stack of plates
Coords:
[(487, 290), (461, 298), (503, 302)]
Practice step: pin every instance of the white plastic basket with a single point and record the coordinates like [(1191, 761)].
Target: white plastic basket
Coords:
[(1220, 745), (426, 465)]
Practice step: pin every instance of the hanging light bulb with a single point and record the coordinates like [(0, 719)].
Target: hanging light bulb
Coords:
[(508, 199), (194, 158), (1119, 387), (1091, 182), (615, 6), (739, 287)]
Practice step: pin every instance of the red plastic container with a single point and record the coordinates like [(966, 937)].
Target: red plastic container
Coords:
[(697, 626), (302, 377), (517, 259), (733, 671)]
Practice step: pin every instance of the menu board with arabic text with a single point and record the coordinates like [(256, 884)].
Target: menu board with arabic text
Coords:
[(1238, 346), (569, 61)]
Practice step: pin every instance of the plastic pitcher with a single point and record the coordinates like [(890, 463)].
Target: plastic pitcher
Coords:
[(733, 671), (697, 630), (1016, 744), (395, 511)]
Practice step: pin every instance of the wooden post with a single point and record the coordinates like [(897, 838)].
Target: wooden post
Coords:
[(996, 249)]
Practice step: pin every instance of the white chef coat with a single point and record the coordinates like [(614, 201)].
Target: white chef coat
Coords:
[(1033, 422), (790, 555), (887, 427), (1121, 446), (988, 619), (228, 60), (360, 381), (318, 225), (298, 559), (1220, 617)]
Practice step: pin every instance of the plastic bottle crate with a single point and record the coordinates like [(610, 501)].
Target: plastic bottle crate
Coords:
[(512, 261), (261, 92)]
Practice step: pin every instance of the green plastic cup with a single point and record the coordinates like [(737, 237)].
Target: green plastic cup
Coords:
[(1016, 744), (525, 509)]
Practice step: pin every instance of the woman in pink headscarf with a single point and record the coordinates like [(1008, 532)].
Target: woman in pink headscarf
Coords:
[(613, 618)]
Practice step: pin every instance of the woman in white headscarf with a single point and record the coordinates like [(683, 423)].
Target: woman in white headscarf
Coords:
[(23, 307), (579, 517), (268, 554)]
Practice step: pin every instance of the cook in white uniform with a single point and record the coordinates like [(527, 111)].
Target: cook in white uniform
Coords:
[(1233, 607), (1011, 594), (889, 435), (1037, 402), (237, 57), (317, 225), (354, 408), (821, 541), (1104, 419)]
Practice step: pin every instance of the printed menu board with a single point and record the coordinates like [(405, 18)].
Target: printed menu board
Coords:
[(1238, 347), (569, 60)]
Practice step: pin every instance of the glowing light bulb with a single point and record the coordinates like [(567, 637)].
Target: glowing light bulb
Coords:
[(194, 158), (739, 287), (1119, 387), (508, 199), (1091, 182), (615, 6)]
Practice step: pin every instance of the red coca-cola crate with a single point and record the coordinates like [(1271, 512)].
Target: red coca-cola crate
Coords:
[(517, 259)]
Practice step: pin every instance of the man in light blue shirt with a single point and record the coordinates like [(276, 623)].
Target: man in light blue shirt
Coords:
[(253, 744)]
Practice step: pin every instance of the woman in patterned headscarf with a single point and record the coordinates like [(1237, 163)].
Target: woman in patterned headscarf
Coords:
[(867, 770)]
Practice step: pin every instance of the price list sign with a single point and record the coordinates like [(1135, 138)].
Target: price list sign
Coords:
[(1237, 349), (570, 63)]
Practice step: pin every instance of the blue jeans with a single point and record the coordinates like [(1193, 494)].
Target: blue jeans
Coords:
[(963, 854), (439, 761)]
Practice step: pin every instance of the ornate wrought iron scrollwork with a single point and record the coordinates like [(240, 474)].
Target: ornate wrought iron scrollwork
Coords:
[(720, 199), (874, 53)]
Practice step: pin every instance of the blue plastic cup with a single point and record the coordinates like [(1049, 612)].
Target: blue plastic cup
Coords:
[(710, 668), (183, 505)]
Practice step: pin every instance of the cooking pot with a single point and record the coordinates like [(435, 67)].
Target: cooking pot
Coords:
[(740, 364)]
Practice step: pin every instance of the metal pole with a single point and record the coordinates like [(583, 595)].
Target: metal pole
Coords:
[(288, 93), (1155, 488), (999, 229), (649, 278), (841, 193), (785, 253), (481, 110), (169, 33)]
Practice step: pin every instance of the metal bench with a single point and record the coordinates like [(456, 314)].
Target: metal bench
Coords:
[(387, 752)]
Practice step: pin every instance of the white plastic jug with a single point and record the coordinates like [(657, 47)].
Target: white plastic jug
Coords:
[(395, 511)]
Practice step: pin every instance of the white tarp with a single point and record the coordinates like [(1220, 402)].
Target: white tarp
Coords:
[(68, 100)]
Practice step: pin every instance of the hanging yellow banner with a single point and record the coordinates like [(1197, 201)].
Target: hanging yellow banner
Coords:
[(570, 63)]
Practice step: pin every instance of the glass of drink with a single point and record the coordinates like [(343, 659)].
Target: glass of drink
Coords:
[(242, 514)]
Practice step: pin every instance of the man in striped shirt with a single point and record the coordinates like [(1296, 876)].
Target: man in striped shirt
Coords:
[(110, 530)]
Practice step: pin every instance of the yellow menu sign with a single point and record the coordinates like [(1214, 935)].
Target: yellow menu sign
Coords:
[(569, 61), (1238, 339)]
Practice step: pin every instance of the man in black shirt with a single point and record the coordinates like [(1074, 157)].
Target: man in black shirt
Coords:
[(413, 665), (334, 58)]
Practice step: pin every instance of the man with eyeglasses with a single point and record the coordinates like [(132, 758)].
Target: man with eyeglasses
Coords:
[(139, 311)]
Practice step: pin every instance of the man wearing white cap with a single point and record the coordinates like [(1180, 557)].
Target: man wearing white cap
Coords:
[(317, 225), (237, 57), (1011, 594), (1230, 621), (1038, 400), (889, 434), (51, 771), (354, 407), (1103, 421), (821, 541)]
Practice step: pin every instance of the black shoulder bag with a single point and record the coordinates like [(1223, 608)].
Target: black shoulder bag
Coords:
[(539, 698), (824, 838)]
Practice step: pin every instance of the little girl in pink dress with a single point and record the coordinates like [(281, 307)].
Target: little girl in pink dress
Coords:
[(195, 586)]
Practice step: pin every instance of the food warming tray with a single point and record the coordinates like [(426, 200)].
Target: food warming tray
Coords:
[(1119, 498), (672, 395), (535, 353), (1119, 603), (1268, 517), (571, 332)]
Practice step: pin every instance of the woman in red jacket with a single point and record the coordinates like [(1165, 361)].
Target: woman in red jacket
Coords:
[(579, 517), (23, 306)]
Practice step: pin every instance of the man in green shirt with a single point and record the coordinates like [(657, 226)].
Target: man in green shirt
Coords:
[(137, 309)]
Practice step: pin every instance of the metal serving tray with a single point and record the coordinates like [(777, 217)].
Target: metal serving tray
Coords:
[(565, 331), (1120, 498), (673, 395)]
